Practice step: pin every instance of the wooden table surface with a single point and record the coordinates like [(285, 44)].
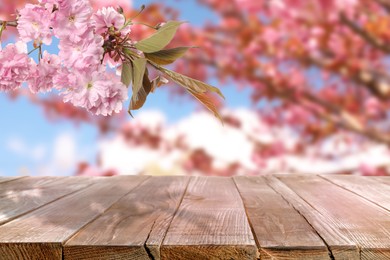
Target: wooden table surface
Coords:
[(142, 217)]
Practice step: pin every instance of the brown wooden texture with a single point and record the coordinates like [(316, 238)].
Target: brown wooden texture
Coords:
[(133, 227), (281, 232), (210, 223), (142, 217), (370, 188), (361, 221), (47, 227), (382, 179), (6, 179), (340, 246), (23, 195)]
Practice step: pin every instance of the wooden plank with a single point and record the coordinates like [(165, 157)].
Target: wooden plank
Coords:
[(356, 218), (210, 223), (133, 227), (40, 233), (281, 232), (340, 246), (23, 195), (372, 189), (382, 179), (7, 179)]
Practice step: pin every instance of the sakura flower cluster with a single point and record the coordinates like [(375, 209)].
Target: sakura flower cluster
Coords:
[(79, 71)]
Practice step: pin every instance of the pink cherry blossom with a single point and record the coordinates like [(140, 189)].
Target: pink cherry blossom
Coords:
[(250, 5), (97, 92), (34, 24), (72, 19), (15, 66), (116, 94), (82, 54), (106, 18), (42, 78)]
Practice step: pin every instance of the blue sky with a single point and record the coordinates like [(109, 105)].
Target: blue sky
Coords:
[(29, 143)]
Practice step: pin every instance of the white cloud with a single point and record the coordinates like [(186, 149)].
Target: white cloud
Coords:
[(227, 144), (65, 155), (58, 156), (224, 143), (151, 119), (64, 151), (116, 154), (18, 146), (201, 130)]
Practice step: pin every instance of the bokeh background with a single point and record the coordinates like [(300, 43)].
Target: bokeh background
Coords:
[(306, 89)]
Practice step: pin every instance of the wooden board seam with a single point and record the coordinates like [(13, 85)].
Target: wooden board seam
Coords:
[(147, 249), (99, 215), (249, 221), (349, 190), (300, 213), (14, 179), (176, 210)]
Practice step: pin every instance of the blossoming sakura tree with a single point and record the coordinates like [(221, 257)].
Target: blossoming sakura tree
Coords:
[(317, 68), (89, 42)]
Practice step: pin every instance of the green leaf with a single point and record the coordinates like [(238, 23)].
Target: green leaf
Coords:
[(187, 82), (127, 73), (142, 93), (165, 57), (139, 67), (161, 38)]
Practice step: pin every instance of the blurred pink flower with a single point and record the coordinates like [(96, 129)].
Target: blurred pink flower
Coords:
[(250, 5), (125, 4), (373, 106)]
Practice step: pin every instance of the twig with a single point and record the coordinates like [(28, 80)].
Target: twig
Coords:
[(385, 4), (9, 23), (364, 34)]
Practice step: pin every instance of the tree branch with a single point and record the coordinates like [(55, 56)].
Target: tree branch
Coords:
[(377, 43), (378, 84), (347, 120), (334, 114), (385, 4), (9, 23)]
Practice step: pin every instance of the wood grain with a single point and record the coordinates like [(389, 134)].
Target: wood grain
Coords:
[(210, 223), (133, 227), (26, 251), (281, 232), (356, 218), (381, 179), (7, 179), (49, 226), (23, 195), (369, 188), (340, 245), (168, 217)]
